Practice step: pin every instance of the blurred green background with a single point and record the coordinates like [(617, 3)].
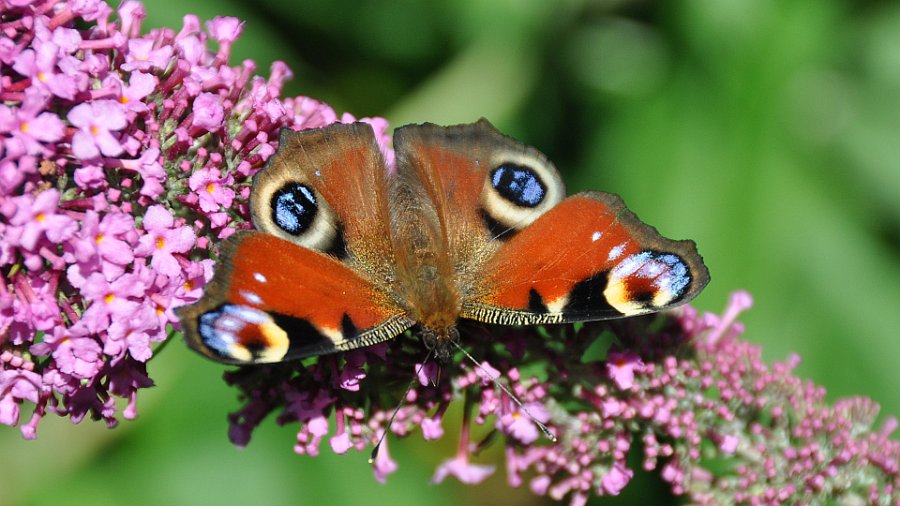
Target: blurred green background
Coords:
[(766, 130)]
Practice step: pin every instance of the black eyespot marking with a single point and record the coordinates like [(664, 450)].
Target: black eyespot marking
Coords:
[(348, 328), (294, 208), (497, 229), (303, 335), (586, 298), (338, 248), (518, 184), (645, 299), (536, 302)]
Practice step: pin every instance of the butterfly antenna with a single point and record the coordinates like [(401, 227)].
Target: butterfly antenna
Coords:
[(397, 409), (552, 437)]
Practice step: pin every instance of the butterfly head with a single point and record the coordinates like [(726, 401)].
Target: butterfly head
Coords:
[(440, 341)]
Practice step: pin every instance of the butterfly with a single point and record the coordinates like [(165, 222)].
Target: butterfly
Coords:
[(468, 224)]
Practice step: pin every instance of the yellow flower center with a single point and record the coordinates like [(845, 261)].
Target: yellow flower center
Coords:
[(210, 187), (109, 298), (160, 242), (42, 77), (94, 130), (123, 99), (24, 127), (98, 239), (40, 217), (189, 285)]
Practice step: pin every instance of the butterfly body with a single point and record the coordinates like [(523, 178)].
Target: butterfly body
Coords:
[(470, 224)]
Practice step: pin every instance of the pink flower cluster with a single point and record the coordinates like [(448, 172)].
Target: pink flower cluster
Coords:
[(124, 159), (701, 406)]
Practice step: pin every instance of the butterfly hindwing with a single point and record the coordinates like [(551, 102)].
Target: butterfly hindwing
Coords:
[(326, 189), (271, 300)]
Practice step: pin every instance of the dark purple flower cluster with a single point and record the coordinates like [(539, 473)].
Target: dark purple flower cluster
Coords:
[(124, 157)]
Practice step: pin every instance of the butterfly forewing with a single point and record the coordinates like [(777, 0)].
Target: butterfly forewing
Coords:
[(271, 300)]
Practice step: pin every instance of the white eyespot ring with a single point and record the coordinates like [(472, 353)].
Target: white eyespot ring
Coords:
[(520, 187), (293, 210)]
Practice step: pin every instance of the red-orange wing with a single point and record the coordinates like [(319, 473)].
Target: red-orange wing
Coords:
[(271, 300), (587, 258)]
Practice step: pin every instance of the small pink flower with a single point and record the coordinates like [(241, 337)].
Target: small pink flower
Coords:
[(615, 480), (383, 464), (621, 368), (106, 238), (381, 126), (213, 189), (151, 171), (163, 239), (729, 444), (39, 305), (96, 121), (132, 334), (738, 302), (131, 14), (540, 484), (350, 378), (141, 56), (521, 427), (225, 29), (29, 126), (432, 429), (427, 373), (40, 66), (12, 174), (612, 407), (318, 426), (17, 385), (340, 443), (463, 470), (196, 275), (109, 298), (139, 86), (38, 217), (67, 40), (487, 373), (90, 176), (76, 352)]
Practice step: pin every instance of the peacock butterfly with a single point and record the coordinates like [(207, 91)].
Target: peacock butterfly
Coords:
[(470, 224)]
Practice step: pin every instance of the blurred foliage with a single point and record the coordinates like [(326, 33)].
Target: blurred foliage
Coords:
[(767, 131)]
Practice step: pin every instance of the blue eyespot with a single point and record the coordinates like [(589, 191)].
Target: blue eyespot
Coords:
[(519, 185), (294, 208)]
